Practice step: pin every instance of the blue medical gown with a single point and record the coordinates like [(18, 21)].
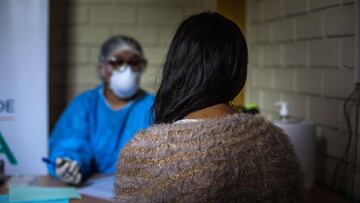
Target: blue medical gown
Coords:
[(92, 133)]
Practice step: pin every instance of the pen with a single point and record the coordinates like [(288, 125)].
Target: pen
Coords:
[(52, 163), (48, 161)]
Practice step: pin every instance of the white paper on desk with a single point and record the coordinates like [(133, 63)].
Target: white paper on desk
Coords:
[(101, 188)]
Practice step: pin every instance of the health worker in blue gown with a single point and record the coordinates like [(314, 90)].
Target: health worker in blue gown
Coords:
[(98, 123)]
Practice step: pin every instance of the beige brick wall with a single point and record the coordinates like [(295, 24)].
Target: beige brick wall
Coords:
[(302, 51), (78, 27)]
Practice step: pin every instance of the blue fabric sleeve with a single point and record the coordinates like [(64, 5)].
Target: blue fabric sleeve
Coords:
[(70, 137)]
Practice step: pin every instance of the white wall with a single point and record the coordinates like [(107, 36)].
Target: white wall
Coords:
[(302, 51)]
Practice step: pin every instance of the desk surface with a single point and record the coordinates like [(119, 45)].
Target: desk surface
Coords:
[(49, 181), (313, 196)]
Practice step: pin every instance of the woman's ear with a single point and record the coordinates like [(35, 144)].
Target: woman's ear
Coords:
[(101, 72)]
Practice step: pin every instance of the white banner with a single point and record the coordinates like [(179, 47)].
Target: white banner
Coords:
[(23, 85)]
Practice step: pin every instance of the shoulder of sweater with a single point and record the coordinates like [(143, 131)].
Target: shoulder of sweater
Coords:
[(234, 121), (240, 123)]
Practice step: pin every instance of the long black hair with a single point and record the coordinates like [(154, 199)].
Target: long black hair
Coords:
[(206, 64)]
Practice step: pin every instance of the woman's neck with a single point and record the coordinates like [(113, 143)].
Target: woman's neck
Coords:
[(218, 110), (114, 101)]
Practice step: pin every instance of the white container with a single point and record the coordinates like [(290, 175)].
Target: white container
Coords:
[(302, 135)]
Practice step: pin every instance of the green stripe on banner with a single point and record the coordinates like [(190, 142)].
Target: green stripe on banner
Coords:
[(4, 148)]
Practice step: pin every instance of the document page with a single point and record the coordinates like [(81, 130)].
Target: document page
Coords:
[(101, 188)]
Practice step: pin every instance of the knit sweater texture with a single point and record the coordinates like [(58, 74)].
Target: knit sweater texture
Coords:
[(237, 158)]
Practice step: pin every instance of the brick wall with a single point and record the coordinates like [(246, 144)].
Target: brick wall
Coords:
[(78, 27), (302, 51)]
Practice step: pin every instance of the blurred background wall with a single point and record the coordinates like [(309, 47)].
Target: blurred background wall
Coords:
[(302, 51), (78, 28)]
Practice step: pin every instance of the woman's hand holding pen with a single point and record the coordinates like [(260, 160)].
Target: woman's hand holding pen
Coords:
[(68, 170)]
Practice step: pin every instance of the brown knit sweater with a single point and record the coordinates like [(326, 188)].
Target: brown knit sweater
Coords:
[(238, 158)]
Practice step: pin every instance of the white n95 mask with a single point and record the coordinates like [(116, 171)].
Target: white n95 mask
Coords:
[(124, 82)]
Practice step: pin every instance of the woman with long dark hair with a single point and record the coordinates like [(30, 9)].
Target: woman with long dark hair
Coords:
[(201, 149)]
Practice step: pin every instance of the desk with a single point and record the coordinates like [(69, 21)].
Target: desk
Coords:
[(50, 181), (315, 195)]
